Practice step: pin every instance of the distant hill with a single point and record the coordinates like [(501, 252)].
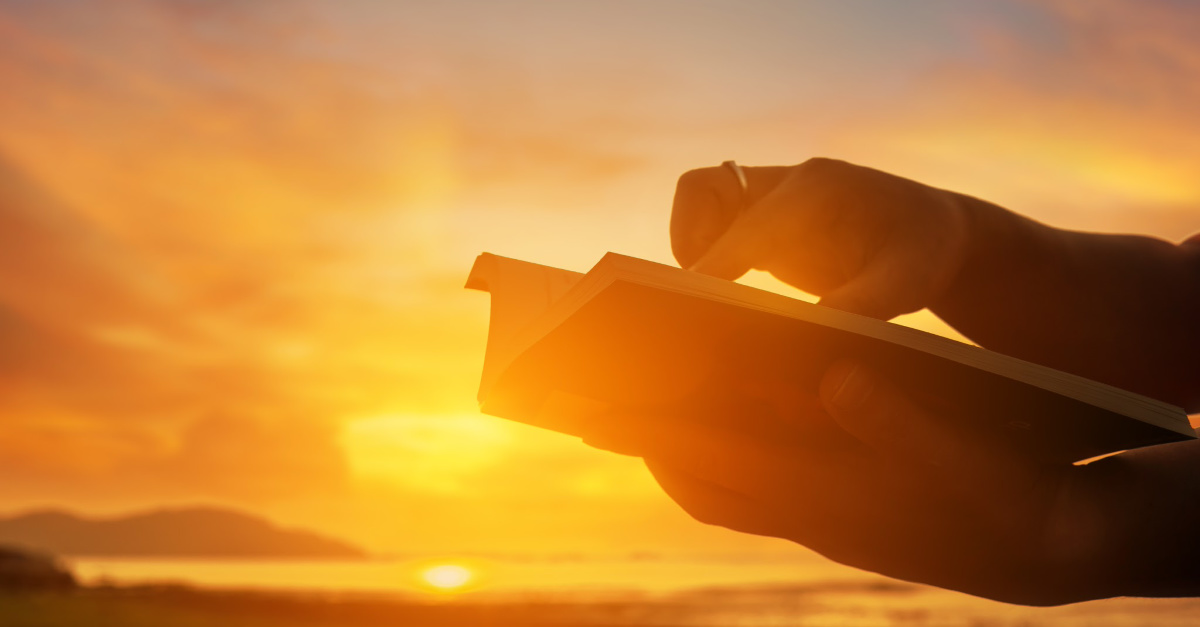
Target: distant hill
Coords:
[(21, 569), (198, 532)]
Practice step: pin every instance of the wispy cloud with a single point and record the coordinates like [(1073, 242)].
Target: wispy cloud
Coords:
[(1087, 120), (220, 240)]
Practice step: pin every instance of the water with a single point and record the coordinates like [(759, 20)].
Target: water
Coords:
[(723, 590), (491, 575)]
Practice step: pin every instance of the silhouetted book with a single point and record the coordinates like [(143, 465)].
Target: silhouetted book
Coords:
[(633, 336)]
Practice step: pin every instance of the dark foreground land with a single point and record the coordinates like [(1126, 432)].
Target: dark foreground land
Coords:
[(178, 606), (883, 605), (183, 607)]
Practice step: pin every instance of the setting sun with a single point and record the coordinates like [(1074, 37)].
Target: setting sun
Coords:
[(447, 576)]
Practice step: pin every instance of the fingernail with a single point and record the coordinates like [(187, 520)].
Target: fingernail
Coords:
[(854, 389)]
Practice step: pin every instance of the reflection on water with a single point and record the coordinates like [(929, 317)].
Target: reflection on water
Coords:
[(798, 590), (490, 576)]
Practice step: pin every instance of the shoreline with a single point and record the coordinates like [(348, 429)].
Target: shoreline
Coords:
[(847, 604)]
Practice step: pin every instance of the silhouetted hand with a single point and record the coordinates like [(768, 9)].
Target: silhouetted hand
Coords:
[(890, 487), (912, 497), (864, 240), (1115, 308)]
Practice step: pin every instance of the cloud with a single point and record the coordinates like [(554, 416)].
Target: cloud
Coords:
[(106, 376), (230, 230), (1086, 121), (471, 457), (225, 455), (219, 238)]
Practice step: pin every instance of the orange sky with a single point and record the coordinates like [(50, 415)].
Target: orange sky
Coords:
[(233, 236)]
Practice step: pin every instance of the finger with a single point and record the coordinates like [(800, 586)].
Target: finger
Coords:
[(714, 505), (890, 285), (708, 200), (748, 242), (842, 521), (884, 419), (876, 293), (612, 434), (758, 233), (904, 275), (753, 467)]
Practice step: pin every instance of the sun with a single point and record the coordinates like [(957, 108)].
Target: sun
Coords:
[(447, 576)]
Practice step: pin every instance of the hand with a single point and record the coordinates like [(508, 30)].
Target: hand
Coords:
[(864, 240), (912, 497), (880, 483), (1118, 309)]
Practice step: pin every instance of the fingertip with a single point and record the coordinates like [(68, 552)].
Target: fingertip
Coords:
[(635, 435), (615, 433), (708, 264), (716, 267), (620, 446)]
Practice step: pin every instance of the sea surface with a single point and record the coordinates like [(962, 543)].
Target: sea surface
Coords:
[(740, 590)]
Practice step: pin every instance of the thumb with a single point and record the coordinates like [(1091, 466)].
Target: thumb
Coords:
[(867, 407), (882, 417), (886, 420), (877, 414)]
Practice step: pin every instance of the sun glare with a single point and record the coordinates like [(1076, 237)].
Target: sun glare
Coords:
[(447, 576), (435, 453)]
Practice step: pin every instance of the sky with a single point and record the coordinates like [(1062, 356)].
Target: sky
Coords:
[(234, 234)]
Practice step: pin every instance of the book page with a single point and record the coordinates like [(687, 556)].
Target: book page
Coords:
[(521, 292)]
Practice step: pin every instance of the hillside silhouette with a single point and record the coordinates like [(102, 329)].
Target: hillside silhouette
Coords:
[(197, 532)]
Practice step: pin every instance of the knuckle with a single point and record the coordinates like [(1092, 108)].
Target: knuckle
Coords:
[(822, 166), (820, 163)]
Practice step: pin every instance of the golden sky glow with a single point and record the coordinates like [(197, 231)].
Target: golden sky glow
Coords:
[(233, 236)]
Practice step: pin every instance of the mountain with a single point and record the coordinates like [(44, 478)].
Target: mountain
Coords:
[(197, 532)]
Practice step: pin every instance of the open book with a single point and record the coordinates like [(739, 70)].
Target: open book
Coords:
[(633, 336)]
